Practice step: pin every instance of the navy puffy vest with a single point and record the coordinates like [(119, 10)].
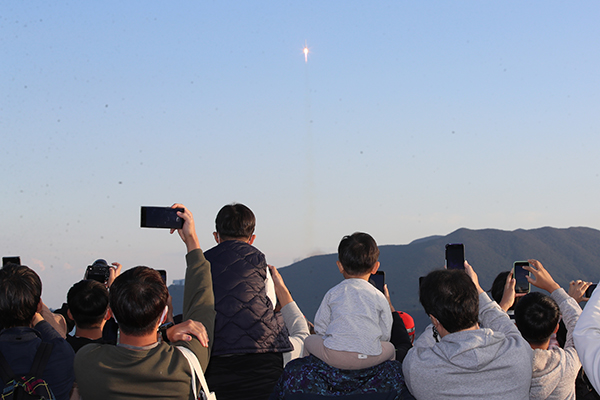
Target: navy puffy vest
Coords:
[(245, 320)]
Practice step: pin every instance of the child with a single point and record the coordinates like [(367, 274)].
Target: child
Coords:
[(354, 322), (250, 338)]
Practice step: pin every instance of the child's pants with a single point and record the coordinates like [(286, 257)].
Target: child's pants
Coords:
[(313, 344)]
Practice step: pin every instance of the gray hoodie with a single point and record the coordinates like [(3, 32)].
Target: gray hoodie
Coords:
[(493, 362), (554, 371)]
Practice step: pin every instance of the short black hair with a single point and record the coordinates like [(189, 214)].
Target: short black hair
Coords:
[(20, 293), (498, 286), (235, 221), (451, 297), (358, 253), (137, 299), (536, 316), (88, 302)]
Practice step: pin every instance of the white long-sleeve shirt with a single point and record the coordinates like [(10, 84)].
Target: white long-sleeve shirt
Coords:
[(354, 316)]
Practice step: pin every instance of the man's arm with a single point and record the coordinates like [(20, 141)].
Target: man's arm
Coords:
[(57, 321), (198, 296), (569, 308), (292, 316), (570, 311), (490, 314)]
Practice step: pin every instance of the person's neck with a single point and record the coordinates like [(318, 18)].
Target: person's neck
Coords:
[(443, 332), (543, 346), (91, 333), (138, 341), (363, 277)]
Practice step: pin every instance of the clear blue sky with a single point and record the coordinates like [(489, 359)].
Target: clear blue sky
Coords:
[(410, 119)]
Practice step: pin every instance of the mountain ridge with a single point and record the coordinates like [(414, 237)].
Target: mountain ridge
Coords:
[(567, 253)]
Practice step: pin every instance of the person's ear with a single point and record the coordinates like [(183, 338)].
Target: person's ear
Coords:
[(217, 238), (434, 320), (108, 314), (70, 315), (40, 306), (375, 267), (251, 239), (340, 267), (163, 317), (556, 329)]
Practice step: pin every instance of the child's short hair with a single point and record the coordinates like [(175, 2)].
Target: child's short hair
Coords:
[(358, 253), (536, 316), (235, 221)]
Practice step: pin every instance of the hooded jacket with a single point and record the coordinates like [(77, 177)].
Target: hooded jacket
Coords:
[(555, 370), (492, 362)]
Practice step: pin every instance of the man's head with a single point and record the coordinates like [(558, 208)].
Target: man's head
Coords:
[(20, 294), (536, 316), (138, 298), (451, 297), (358, 253), (234, 221), (88, 303)]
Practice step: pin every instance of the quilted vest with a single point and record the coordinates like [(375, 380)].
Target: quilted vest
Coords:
[(245, 321)]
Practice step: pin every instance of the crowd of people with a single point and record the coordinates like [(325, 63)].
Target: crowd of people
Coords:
[(241, 330)]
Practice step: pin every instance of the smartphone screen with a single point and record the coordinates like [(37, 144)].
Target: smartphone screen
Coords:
[(520, 274), (455, 256), (378, 280), (11, 260), (590, 290), (161, 217)]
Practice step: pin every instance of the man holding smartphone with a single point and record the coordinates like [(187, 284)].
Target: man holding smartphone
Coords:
[(537, 316), (141, 366), (456, 358)]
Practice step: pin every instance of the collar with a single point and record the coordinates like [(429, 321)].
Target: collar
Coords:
[(19, 333), (138, 348)]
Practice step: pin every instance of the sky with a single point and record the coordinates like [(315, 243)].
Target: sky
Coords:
[(409, 119)]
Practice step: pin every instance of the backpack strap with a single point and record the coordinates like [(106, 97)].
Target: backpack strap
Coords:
[(41, 359), (6, 373)]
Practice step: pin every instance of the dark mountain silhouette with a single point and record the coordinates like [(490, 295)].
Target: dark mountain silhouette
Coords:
[(568, 254)]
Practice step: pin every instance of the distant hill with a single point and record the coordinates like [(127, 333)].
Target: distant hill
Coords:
[(568, 254)]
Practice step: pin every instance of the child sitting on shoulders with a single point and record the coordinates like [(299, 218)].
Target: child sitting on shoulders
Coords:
[(354, 322)]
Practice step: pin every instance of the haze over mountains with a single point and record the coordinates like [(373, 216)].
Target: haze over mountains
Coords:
[(568, 254)]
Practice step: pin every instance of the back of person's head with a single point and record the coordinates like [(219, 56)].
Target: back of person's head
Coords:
[(498, 286), (536, 316), (235, 221), (451, 297), (20, 293), (88, 302), (358, 253), (137, 299)]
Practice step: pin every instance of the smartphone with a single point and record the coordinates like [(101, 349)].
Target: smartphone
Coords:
[(520, 274), (590, 290), (11, 260), (378, 280), (161, 217), (98, 271), (455, 256), (163, 275)]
